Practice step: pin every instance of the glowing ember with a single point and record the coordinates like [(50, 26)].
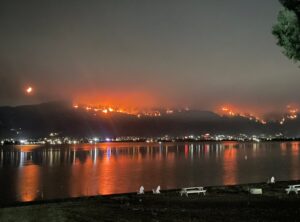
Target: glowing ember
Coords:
[(29, 90)]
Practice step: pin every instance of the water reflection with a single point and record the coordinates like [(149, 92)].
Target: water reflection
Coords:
[(295, 160), (28, 183), (33, 172), (230, 164)]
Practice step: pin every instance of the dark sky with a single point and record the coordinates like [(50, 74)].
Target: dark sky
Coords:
[(198, 53)]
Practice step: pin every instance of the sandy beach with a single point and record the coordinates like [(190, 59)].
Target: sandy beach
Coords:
[(226, 203)]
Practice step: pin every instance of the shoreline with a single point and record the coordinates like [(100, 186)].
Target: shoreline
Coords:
[(235, 188), (220, 201), (158, 142)]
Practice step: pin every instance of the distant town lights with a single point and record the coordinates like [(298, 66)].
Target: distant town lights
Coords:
[(24, 141)]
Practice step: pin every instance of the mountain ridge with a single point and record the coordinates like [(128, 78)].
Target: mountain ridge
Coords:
[(32, 121)]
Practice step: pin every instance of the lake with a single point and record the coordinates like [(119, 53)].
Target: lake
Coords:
[(33, 172)]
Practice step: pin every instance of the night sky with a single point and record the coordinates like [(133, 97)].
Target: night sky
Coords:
[(201, 53)]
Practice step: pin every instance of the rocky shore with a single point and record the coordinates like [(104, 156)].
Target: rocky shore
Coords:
[(222, 203)]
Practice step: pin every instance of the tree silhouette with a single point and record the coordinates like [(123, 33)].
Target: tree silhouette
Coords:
[(287, 29)]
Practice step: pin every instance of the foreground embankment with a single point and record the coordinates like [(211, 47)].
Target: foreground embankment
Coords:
[(226, 203)]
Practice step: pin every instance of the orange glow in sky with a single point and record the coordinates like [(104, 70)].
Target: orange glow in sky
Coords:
[(113, 100)]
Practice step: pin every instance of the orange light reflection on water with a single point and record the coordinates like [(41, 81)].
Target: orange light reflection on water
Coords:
[(81, 176), (230, 164), (107, 174), (27, 148), (28, 182), (295, 160)]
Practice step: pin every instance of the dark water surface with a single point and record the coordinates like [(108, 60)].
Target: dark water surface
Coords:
[(45, 172)]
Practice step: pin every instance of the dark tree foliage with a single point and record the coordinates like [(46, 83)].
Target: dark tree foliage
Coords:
[(287, 29), (293, 5)]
